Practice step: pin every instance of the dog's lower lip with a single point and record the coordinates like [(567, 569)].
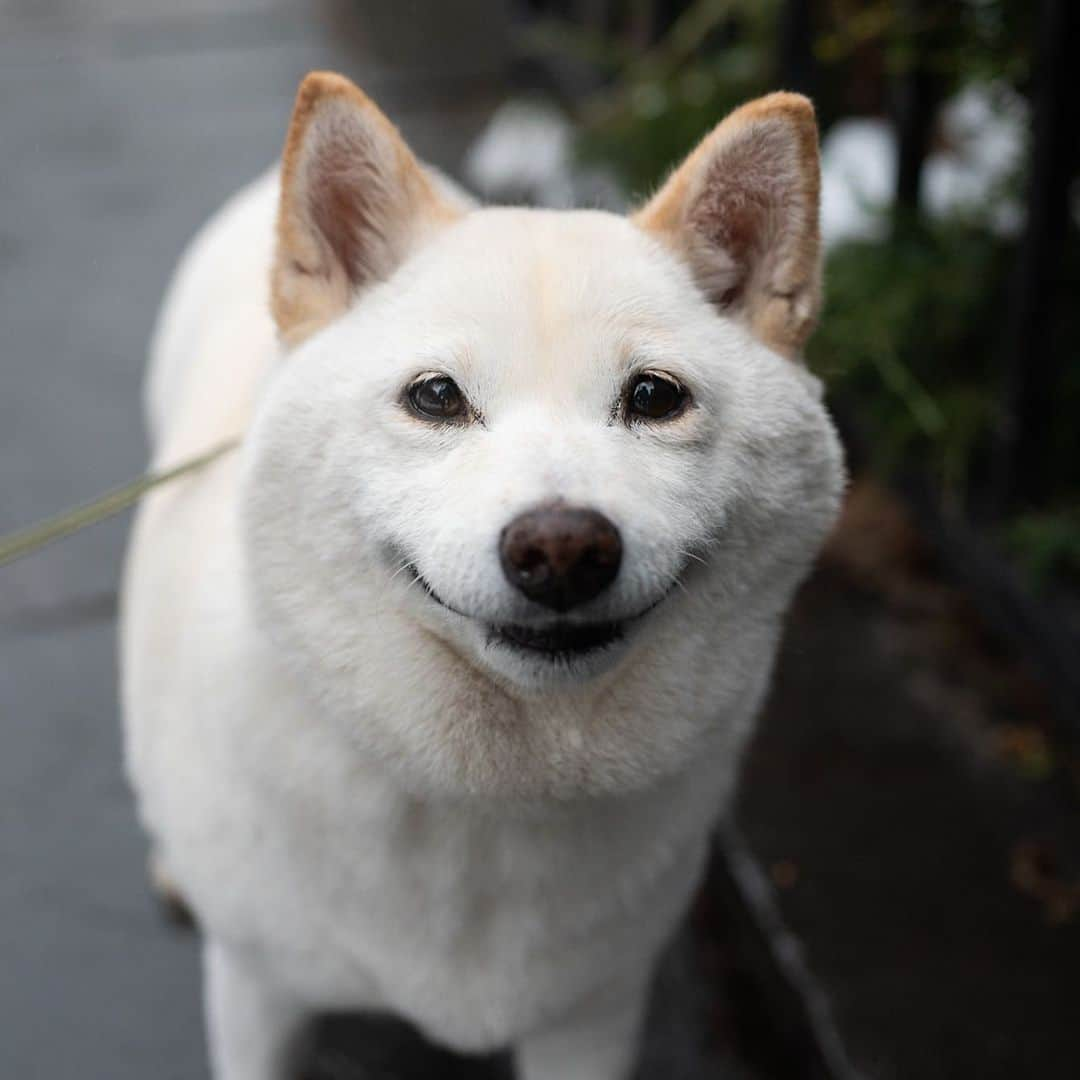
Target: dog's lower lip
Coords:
[(560, 639)]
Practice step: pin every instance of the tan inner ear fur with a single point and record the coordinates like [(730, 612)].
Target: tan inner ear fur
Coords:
[(354, 203), (742, 211)]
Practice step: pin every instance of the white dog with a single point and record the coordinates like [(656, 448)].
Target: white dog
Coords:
[(434, 691)]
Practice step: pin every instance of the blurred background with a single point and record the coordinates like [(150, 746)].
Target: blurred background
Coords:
[(899, 893)]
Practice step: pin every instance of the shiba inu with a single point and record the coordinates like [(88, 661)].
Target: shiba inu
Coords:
[(434, 691)]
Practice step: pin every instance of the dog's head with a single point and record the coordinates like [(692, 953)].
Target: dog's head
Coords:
[(560, 445)]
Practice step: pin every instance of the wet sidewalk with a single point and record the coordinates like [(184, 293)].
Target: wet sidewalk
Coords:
[(921, 826)]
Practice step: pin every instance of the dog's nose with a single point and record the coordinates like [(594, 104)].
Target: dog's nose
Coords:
[(560, 556)]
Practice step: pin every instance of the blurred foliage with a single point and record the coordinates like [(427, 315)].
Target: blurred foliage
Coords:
[(910, 336), (905, 339), (1047, 544), (959, 39), (660, 100), (657, 100)]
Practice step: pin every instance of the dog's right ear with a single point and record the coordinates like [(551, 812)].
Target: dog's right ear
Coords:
[(355, 203)]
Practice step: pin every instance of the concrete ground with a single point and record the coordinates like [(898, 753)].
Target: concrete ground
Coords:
[(921, 824)]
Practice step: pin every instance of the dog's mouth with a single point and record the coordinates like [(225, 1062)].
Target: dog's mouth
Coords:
[(559, 641)]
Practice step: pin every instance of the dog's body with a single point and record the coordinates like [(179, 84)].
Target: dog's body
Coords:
[(379, 768)]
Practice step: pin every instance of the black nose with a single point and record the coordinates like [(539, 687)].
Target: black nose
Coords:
[(560, 556)]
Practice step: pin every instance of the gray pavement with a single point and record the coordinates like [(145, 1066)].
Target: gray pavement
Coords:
[(123, 123)]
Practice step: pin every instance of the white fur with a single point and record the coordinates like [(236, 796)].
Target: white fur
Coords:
[(367, 805)]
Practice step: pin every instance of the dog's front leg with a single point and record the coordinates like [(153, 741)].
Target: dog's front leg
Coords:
[(595, 1042), (251, 1025)]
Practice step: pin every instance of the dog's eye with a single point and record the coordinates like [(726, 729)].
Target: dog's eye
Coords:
[(437, 397), (655, 397)]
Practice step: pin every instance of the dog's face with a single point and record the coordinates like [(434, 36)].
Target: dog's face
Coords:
[(552, 442)]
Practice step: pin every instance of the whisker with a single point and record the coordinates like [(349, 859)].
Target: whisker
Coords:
[(381, 595), (402, 567), (678, 581), (693, 555)]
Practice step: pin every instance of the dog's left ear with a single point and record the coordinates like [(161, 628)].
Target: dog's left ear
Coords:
[(742, 211), (355, 203)]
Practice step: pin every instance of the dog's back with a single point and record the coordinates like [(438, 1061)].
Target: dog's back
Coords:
[(214, 334)]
